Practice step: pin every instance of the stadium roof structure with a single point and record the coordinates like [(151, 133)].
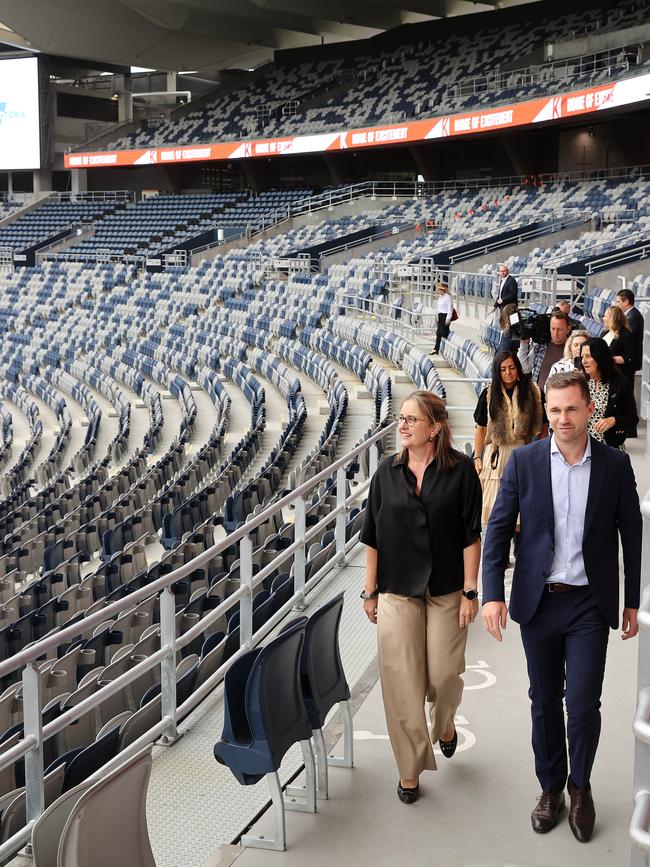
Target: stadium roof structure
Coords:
[(180, 35)]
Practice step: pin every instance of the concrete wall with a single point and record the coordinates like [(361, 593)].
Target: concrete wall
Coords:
[(473, 265), (597, 144), (239, 244), (608, 279), (39, 200), (371, 247), (358, 206), (348, 209), (595, 42)]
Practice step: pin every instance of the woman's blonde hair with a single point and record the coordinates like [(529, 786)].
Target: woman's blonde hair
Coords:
[(434, 411), (506, 313), (568, 346), (444, 287), (618, 319)]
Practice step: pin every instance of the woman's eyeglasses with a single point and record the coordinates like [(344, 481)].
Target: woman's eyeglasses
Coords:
[(408, 419)]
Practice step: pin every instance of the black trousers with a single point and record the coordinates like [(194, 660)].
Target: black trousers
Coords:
[(566, 647), (442, 329)]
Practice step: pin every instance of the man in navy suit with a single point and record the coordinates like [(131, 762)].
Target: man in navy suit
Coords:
[(508, 288), (625, 301), (575, 497)]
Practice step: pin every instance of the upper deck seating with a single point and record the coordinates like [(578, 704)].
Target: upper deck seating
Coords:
[(420, 78)]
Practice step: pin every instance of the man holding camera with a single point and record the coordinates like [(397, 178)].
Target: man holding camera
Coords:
[(538, 358)]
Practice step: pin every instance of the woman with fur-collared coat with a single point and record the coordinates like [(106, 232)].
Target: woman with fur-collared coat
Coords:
[(509, 414)]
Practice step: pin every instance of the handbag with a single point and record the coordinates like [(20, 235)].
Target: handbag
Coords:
[(454, 314)]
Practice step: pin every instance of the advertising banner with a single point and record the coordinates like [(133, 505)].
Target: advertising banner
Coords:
[(542, 110)]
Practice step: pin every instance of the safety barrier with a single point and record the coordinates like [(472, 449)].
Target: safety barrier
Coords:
[(30, 747), (640, 821)]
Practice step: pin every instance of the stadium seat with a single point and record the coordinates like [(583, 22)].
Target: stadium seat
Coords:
[(257, 733)]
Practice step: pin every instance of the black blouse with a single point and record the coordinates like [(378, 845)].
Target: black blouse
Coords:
[(420, 539), (624, 345)]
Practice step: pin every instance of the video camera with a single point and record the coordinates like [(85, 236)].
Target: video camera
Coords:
[(527, 324)]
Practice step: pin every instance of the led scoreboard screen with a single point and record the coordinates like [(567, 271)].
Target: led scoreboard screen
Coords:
[(20, 146)]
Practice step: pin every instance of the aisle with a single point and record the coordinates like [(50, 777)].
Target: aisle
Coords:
[(475, 809)]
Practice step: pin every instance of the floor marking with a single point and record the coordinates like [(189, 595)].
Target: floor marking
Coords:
[(480, 667), (466, 739)]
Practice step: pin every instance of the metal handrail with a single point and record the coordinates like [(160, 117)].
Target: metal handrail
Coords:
[(639, 252), (640, 821), (398, 229), (499, 79), (520, 238), (30, 746), (641, 726), (375, 312), (34, 651)]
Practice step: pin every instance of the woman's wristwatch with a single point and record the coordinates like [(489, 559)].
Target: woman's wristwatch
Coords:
[(470, 594), (373, 595)]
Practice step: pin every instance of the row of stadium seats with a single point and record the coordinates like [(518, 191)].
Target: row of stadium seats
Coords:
[(413, 80)]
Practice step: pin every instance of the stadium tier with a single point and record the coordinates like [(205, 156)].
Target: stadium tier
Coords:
[(418, 79), (207, 358)]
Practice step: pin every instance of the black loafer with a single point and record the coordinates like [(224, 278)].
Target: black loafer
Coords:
[(407, 796), (448, 748)]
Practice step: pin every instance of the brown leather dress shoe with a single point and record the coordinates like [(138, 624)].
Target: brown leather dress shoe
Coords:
[(545, 815), (582, 814)]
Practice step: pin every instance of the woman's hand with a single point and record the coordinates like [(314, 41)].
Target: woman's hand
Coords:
[(605, 424), (370, 607), (478, 465), (468, 611)]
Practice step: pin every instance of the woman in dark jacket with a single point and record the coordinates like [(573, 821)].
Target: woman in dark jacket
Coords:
[(615, 416), (619, 339)]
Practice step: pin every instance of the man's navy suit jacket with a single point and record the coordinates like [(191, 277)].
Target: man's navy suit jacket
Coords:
[(509, 291), (612, 509)]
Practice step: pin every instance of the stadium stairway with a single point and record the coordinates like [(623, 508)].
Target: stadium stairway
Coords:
[(196, 809)]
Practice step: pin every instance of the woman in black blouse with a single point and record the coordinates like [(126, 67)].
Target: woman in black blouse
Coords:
[(422, 529), (615, 415), (619, 339)]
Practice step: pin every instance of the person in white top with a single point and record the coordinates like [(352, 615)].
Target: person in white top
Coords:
[(445, 310)]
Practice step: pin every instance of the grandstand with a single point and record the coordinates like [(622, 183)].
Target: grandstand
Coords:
[(201, 355)]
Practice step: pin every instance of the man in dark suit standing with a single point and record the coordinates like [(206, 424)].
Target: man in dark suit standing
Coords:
[(575, 496), (625, 300), (507, 288)]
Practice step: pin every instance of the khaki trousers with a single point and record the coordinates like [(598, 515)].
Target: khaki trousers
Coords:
[(421, 657)]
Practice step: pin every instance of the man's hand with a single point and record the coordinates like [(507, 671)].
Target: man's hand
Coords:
[(495, 616), (630, 623)]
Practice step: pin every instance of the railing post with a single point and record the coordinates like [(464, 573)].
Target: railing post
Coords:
[(168, 663), (373, 459), (639, 824), (33, 726), (246, 602), (299, 556), (339, 531)]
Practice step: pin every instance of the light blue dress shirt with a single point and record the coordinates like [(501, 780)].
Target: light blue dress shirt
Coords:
[(570, 486)]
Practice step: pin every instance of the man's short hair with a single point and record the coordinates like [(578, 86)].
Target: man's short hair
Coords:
[(566, 380), (556, 313), (626, 295)]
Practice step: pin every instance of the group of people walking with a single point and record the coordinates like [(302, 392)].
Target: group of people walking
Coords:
[(544, 473)]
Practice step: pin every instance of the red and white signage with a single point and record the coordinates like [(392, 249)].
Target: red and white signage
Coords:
[(544, 109)]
